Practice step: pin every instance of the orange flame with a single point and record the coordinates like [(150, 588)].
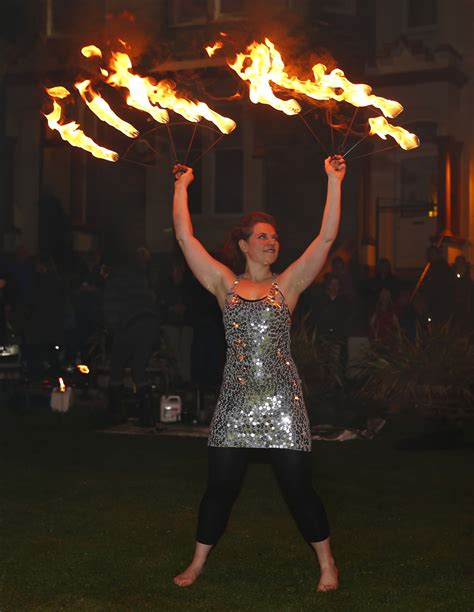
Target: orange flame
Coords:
[(83, 369), (91, 51), (71, 132), (102, 110), (58, 92), (164, 92), (263, 69), (62, 386), (137, 86), (263, 64), (211, 50), (381, 127), (145, 95)]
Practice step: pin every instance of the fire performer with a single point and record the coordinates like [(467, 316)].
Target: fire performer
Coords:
[(261, 402)]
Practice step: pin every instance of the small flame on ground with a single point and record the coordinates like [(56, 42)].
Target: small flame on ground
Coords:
[(62, 386)]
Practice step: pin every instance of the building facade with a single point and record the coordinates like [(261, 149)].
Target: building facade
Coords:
[(395, 202)]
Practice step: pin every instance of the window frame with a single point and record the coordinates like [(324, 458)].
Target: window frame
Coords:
[(427, 27), (214, 14)]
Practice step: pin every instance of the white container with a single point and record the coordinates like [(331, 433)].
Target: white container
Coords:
[(61, 401), (170, 409)]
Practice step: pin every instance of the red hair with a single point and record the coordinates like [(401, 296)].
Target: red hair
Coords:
[(232, 255)]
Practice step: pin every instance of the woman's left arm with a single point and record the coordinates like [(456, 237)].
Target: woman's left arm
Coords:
[(302, 272)]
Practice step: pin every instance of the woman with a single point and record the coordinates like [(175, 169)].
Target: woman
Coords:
[(260, 403), (384, 322)]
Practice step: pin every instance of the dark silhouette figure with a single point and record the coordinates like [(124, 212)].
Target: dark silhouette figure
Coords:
[(438, 288), (131, 314), (383, 279)]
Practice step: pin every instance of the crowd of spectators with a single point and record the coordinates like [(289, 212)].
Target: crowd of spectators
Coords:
[(384, 305), (45, 308)]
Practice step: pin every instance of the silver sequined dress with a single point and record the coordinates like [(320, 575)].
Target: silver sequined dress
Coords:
[(261, 401)]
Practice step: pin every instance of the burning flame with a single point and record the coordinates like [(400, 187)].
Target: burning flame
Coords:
[(71, 132), (263, 64), (102, 110), (137, 86), (62, 386), (211, 50), (145, 95), (164, 92), (262, 69), (91, 51), (381, 127), (83, 369), (58, 92)]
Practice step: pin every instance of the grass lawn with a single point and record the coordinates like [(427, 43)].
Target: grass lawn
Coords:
[(92, 521)]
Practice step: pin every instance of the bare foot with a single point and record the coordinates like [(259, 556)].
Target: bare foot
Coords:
[(329, 580), (189, 576)]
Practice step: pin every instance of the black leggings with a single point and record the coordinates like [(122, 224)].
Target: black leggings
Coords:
[(226, 470)]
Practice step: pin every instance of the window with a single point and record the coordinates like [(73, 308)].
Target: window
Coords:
[(195, 12), (419, 180), (226, 8), (63, 17), (422, 13), (341, 7), (189, 11)]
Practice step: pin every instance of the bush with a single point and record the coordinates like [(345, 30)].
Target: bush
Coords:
[(432, 373)]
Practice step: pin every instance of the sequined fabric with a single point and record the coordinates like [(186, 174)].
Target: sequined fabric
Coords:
[(261, 402)]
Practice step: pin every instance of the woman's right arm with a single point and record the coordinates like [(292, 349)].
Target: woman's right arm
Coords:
[(213, 275)]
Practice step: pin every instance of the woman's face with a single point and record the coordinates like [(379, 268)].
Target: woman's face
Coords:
[(262, 246), (385, 298)]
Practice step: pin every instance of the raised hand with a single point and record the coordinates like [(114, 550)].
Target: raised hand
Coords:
[(335, 167), (183, 175)]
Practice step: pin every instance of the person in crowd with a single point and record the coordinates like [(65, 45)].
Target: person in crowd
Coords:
[(177, 317), (383, 279), (339, 270), (463, 294), (131, 314), (384, 322), (21, 278), (406, 314), (261, 402), (44, 329), (438, 288), (208, 347), (87, 300), (3, 307), (331, 314)]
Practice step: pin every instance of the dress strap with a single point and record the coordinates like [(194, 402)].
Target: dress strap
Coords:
[(234, 284)]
